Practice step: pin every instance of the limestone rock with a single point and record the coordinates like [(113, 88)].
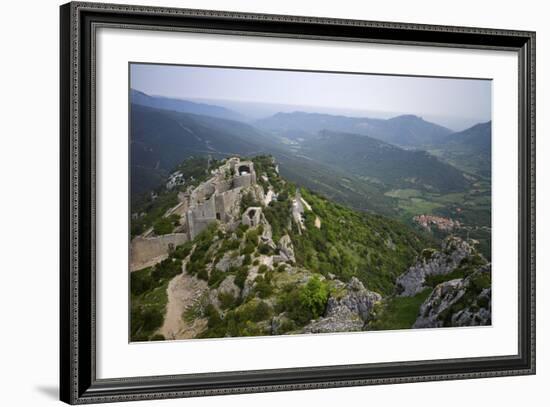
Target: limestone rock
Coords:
[(443, 297), (278, 323), (342, 319), (267, 233), (228, 261), (358, 300), (249, 282), (228, 286), (347, 313), (286, 248), (474, 303), (431, 263)]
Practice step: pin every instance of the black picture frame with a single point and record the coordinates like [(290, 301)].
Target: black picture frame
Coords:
[(78, 382)]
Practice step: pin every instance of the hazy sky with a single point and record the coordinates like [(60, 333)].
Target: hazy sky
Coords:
[(468, 99)]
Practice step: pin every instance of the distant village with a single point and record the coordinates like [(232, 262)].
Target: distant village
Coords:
[(440, 222)]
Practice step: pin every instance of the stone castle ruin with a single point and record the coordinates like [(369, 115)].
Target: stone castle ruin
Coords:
[(217, 199), (252, 216)]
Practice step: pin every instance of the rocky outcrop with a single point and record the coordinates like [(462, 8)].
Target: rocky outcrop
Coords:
[(459, 302), (358, 300), (341, 320), (432, 263), (279, 324), (468, 317), (267, 233), (228, 286), (349, 312), (228, 261), (286, 249)]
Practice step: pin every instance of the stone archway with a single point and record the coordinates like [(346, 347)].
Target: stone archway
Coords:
[(244, 170)]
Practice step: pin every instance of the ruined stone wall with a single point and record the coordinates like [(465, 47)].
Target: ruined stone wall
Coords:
[(145, 249), (217, 198), (206, 209), (226, 204), (223, 186), (180, 209), (252, 216), (200, 216), (242, 181), (199, 225), (203, 192), (220, 208)]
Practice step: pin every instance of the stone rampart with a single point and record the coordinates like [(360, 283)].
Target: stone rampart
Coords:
[(145, 249)]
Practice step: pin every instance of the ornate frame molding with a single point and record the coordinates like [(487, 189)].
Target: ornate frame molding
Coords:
[(78, 380)]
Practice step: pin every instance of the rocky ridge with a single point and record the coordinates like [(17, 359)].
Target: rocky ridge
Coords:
[(433, 263), (348, 310), (458, 302)]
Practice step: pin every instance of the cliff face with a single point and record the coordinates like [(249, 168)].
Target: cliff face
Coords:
[(347, 310), (433, 263), (459, 302)]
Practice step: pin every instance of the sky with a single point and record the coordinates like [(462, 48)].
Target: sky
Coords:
[(456, 103)]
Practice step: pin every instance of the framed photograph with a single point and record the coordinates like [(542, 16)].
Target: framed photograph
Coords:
[(255, 203)]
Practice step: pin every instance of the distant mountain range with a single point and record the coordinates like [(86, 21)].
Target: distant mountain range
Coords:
[(186, 106), (406, 130), (351, 160), (160, 139), (476, 138), (469, 149), (381, 162)]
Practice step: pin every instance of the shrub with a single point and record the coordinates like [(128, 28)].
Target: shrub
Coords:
[(227, 300), (182, 251), (304, 303), (240, 277), (261, 312), (241, 230), (166, 225), (286, 326), (202, 274), (141, 281), (252, 237), (264, 249), (158, 337), (314, 296), (263, 287), (216, 325), (248, 249), (216, 277), (166, 269), (229, 244), (147, 319), (262, 269)]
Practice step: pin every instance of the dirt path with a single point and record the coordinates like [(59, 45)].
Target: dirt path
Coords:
[(182, 292)]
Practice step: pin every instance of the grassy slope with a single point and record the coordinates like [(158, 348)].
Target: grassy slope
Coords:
[(373, 248), (399, 312)]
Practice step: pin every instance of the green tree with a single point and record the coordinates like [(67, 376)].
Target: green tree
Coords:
[(314, 296)]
